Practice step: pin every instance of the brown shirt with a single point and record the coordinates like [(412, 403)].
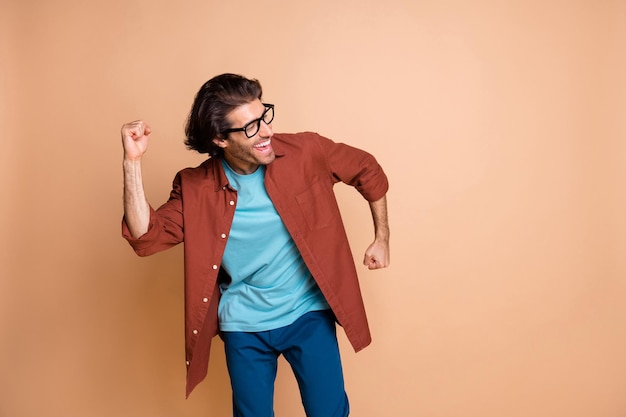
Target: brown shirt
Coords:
[(300, 182)]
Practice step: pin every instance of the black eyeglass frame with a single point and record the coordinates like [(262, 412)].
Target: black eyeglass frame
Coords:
[(258, 121)]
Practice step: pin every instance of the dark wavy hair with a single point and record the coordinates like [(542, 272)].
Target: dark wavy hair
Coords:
[(215, 100)]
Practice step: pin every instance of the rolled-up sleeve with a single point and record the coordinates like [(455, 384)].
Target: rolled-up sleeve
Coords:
[(355, 167), (165, 228)]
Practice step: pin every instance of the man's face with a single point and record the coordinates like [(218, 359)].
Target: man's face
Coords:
[(243, 154)]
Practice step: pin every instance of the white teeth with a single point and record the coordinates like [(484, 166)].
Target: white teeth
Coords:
[(262, 144)]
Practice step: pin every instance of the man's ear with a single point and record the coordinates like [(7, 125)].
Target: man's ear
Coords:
[(221, 142)]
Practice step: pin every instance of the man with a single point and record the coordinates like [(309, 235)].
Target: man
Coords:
[(267, 261)]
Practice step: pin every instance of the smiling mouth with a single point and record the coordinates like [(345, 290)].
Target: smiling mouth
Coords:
[(262, 146)]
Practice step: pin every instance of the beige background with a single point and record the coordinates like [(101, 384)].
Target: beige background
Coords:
[(501, 126)]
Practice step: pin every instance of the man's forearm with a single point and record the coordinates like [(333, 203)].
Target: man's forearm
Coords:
[(136, 208), (381, 222)]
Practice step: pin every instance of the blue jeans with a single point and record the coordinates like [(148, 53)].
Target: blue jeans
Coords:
[(309, 345)]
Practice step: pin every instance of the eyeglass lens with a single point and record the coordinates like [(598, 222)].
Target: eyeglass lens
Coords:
[(253, 127)]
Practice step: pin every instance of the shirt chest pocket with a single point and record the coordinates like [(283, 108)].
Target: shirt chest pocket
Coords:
[(318, 206)]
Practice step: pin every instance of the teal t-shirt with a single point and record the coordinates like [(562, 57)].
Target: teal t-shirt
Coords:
[(271, 286)]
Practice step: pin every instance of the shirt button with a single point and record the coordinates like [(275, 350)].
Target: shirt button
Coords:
[(223, 236), (195, 331), (214, 266), (205, 300), (187, 363), (231, 202)]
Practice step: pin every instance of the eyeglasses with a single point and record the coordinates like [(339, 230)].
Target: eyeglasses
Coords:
[(252, 128)]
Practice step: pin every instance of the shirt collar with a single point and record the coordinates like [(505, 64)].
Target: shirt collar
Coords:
[(215, 164)]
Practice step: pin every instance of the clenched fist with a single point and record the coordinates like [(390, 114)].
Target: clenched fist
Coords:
[(135, 138)]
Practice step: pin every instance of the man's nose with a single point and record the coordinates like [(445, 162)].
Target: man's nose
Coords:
[(266, 129)]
